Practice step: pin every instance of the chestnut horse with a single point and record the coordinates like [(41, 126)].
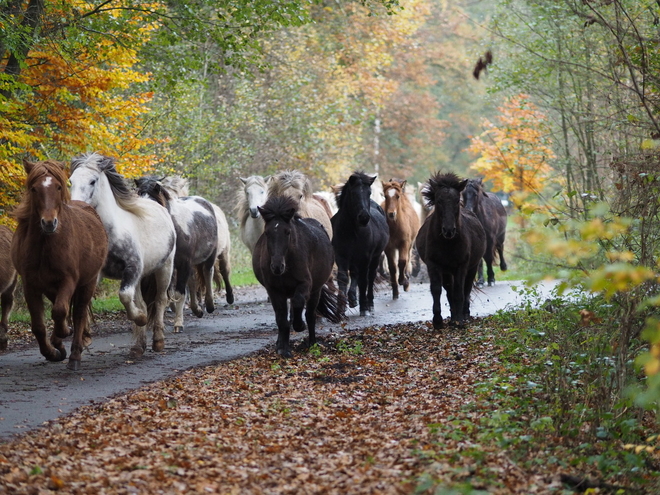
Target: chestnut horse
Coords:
[(8, 279), (451, 242), (403, 222), (293, 259), (59, 249)]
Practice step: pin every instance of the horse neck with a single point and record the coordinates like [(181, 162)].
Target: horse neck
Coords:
[(107, 207)]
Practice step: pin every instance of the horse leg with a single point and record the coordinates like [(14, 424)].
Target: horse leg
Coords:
[(480, 273), (488, 258), (35, 304), (389, 253), (139, 333), (298, 305), (457, 300), (342, 282), (467, 291), (128, 293), (310, 316), (60, 309), (371, 280), (283, 329), (500, 252), (223, 267), (436, 293), (208, 269), (352, 290), (163, 277), (6, 303), (81, 299), (404, 265)]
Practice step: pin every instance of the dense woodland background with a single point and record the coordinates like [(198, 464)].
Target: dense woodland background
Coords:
[(565, 117)]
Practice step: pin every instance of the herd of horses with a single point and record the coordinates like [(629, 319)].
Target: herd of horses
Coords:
[(164, 245)]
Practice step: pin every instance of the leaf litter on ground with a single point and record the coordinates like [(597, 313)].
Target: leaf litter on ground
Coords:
[(387, 409)]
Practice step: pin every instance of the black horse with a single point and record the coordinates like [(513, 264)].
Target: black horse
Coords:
[(492, 215), (293, 259), (360, 236), (451, 242)]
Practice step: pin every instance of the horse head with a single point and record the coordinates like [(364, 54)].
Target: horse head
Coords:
[(46, 186), (256, 193), (444, 194), (277, 214), (393, 191), (152, 188), (355, 197), (472, 195)]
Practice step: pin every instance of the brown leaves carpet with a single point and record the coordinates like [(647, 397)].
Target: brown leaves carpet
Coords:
[(352, 418)]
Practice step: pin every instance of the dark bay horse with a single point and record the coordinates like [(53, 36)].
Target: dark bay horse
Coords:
[(451, 242), (8, 279), (196, 244), (403, 222), (360, 236), (293, 259), (492, 215), (59, 249)]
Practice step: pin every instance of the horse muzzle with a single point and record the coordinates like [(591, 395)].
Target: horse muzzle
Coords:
[(278, 268), (254, 212), (363, 218), (49, 226), (449, 233), (391, 215)]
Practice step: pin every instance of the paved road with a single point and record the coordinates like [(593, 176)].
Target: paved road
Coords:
[(33, 391)]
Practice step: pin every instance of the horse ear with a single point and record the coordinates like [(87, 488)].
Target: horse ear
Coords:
[(372, 179), (288, 214), (462, 184), (28, 165), (244, 181), (403, 185), (268, 179)]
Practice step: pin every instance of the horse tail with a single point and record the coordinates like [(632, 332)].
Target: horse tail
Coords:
[(332, 304)]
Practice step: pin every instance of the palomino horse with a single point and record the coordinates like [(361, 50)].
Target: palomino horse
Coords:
[(492, 215), (451, 242), (142, 241), (297, 186), (361, 234), (196, 244), (177, 186), (249, 198), (403, 222), (293, 260), (8, 279), (59, 248)]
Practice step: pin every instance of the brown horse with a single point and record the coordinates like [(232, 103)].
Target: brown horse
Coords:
[(58, 249), (404, 224), (8, 278)]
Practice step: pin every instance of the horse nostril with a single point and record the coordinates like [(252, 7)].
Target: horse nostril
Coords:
[(392, 214)]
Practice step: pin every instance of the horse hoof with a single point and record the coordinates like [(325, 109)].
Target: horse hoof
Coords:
[(210, 308), (302, 328), (406, 286), (57, 355), (136, 352), (158, 345), (285, 353), (395, 295), (3, 345), (230, 298), (198, 313), (178, 328), (491, 283), (365, 313), (438, 324), (74, 364)]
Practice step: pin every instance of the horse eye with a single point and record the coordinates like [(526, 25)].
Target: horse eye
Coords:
[(92, 182), (33, 189)]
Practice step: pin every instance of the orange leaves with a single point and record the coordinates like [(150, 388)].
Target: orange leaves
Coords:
[(514, 152)]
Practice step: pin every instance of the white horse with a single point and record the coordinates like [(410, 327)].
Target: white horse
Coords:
[(177, 186), (141, 243), (250, 197)]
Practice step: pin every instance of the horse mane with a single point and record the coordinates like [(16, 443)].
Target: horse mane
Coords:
[(358, 174), (40, 169), (176, 186), (279, 206), (437, 181), (290, 179), (126, 198), (154, 188), (241, 207)]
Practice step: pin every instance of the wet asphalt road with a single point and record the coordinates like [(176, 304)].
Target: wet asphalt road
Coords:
[(34, 391)]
